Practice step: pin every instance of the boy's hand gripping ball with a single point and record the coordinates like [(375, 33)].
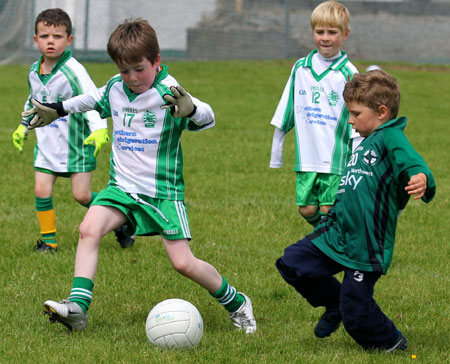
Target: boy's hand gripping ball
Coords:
[(43, 113), (180, 104)]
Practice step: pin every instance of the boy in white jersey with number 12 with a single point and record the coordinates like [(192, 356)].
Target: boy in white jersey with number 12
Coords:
[(312, 104), (149, 110)]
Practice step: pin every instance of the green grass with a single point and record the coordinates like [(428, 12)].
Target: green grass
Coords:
[(242, 215)]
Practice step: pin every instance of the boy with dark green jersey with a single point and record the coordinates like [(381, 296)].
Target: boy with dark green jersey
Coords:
[(357, 236)]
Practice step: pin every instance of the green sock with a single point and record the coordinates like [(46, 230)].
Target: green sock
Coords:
[(82, 292), (228, 297), (93, 196), (49, 239)]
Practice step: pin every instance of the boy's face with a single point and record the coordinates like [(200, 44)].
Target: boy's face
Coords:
[(140, 77), (365, 120), (328, 40), (52, 40)]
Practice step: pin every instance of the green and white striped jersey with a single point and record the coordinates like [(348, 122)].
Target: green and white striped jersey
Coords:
[(359, 231), (314, 105), (59, 146), (146, 153)]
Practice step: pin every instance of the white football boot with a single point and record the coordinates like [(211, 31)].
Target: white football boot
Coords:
[(243, 318), (68, 313)]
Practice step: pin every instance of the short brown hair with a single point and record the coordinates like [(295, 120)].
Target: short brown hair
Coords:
[(373, 89), (133, 40), (331, 13), (55, 17)]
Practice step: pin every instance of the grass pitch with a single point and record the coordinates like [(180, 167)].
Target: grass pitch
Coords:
[(242, 215)]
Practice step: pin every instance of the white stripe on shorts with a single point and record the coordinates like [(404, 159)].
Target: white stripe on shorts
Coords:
[(181, 211)]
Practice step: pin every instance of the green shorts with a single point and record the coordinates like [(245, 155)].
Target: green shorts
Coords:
[(146, 215), (317, 189), (57, 174)]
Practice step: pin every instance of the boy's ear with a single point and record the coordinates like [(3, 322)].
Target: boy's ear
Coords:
[(383, 112), (346, 34), (69, 40), (158, 60)]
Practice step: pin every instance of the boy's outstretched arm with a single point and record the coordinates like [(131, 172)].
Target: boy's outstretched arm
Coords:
[(417, 185), (43, 113)]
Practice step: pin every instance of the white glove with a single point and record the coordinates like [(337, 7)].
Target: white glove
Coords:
[(180, 104), (43, 113)]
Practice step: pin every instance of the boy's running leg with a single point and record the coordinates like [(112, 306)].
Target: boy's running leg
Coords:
[(45, 211), (361, 315), (98, 222), (311, 272), (236, 303), (81, 189)]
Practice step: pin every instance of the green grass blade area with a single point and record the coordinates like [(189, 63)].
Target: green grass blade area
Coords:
[(242, 216)]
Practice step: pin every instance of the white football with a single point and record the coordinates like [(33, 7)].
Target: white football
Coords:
[(174, 323)]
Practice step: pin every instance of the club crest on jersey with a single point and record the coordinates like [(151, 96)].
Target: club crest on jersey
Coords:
[(370, 157), (149, 119), (333, 98)]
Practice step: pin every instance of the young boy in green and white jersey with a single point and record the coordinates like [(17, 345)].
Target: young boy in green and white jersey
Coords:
[(149, 110), (358, 234), (312, 103), (64, 148)]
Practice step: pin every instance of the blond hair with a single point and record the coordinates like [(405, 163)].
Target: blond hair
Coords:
[(333, 14), (373, 89), (133, 40)]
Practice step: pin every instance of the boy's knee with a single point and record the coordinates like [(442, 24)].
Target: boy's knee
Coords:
[(88, 229), (83, 198), (308, 211), (325, 208), (42, 191), (183, 266), (283, 269)]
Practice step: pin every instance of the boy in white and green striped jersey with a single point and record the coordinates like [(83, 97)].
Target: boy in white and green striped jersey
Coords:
[(149, 110), (63, 149), (313, 105)]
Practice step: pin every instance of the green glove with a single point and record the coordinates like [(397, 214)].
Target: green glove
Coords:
[(180, 104), (19, 136), (98, 138), (43, 113)]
